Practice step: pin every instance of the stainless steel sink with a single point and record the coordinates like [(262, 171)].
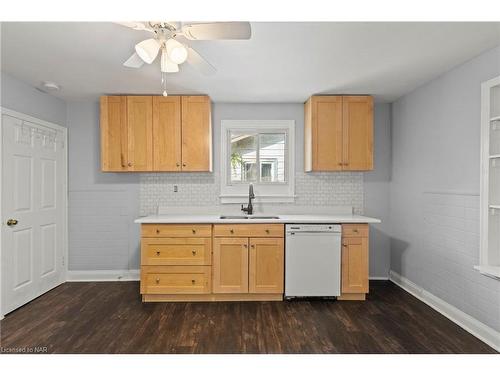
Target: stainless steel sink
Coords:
[(264, 217), (238, 217)]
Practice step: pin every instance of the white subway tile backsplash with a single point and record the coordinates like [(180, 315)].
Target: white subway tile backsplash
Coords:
[(203, 189)]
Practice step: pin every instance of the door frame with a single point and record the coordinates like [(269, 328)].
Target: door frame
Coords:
[(64, 130)]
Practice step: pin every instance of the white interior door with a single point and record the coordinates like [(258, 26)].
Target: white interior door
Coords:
[(33, 209)]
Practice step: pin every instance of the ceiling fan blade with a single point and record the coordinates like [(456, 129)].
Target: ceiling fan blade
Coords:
[(136, 25), (134, 61), (217, 31), (196, 60)]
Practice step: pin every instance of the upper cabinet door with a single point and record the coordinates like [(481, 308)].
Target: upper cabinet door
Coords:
[(323, 134), (196, 134), (166, 133), (358, 133), (113, 134), (140, 133)]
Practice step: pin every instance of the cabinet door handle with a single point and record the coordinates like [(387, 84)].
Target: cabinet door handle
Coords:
[(193, 252), (245, 246), (183, 164), (129, 164), (252, 246), (157, 280), (157, 253), (340, 164), (178, 165), (344, 245)]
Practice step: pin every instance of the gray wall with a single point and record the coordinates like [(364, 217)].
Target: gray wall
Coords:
[(103, 205), (376, 190), (21, 97), (435, 183)]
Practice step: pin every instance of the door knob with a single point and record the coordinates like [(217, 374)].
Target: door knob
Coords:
[(12, 222)]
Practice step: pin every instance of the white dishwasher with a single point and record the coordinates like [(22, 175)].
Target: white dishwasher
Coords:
[(312, 260)]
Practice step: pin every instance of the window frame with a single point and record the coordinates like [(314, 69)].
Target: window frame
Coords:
[(237, 192)]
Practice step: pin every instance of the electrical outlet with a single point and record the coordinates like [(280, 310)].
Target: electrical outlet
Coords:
[(175, 189)]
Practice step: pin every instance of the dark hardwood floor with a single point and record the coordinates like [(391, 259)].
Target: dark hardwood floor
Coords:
[(108, 317)]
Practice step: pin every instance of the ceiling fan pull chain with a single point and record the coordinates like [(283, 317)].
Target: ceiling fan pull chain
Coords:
[(164, 83)]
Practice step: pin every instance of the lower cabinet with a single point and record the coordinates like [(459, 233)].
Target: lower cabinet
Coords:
[(230, 265), (185, 262), (354, 282), (175, 279), (248, 265), (266, 265)]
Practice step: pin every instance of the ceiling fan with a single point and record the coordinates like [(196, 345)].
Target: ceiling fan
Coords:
[(172, 40)]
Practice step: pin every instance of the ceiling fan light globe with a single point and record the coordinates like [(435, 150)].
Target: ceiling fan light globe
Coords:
[(148, 50), (167, 66), (177, 52)]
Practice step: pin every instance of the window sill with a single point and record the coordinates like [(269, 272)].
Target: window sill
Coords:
[(490, 271), (228, 199)]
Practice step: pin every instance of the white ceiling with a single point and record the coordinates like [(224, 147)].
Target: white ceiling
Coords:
[(283, 62)]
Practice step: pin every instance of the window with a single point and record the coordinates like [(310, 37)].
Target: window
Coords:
[(261, 153)]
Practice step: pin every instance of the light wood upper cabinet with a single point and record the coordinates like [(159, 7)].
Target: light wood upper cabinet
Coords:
[(140, 133), (266, 265), (338, 133), (114, 147), (357, 133), (230, 265), (196, 134), (155, 133), (167, 133), (323, 134)]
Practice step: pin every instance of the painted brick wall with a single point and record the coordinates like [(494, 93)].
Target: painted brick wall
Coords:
[(450, 251)]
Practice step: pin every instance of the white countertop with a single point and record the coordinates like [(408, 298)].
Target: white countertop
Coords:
[(287, 218)]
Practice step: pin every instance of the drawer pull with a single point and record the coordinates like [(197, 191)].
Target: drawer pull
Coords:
[(193, 252), (355, 230), (194, 231), (193, 281), (252, 246), (267, 231), (231, 231), (157, 253), (245, 246), (157, 280), (157, 231)]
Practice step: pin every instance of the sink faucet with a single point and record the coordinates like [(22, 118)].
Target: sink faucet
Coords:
[(251, 195)]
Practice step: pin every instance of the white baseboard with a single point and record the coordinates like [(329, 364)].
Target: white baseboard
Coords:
[(103, 275), (379, 277), (484, 333)]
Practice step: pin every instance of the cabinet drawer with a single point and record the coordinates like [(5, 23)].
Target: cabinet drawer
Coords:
[(249, 230), (176, 251), (175, 279), (176, 230), (355, 230)]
